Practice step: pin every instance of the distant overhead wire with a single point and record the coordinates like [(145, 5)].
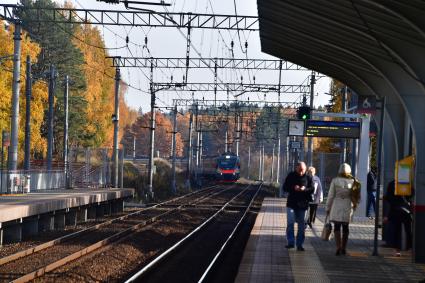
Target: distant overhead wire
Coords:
[(237, 25)]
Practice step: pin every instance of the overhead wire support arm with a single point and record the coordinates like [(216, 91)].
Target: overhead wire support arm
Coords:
[(187, 53), (205, 63), (243, 106), (231, 87), (126, 2), (139, 18)]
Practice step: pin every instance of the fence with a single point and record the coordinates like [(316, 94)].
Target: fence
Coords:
[(90, 168), (22, 181), (87, 168)]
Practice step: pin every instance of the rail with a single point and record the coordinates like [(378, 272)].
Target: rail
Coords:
[(104, 242), (153, 263), (62, 239), (210, 266)]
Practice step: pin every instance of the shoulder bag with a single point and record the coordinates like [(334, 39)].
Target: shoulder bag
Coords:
[(327, 229)]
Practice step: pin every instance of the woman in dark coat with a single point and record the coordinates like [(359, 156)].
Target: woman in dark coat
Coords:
[(398, 214)]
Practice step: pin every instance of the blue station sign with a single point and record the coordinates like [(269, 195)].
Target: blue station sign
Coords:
[(333, 129)]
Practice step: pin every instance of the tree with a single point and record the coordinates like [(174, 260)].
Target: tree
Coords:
[(59, 50), (39, 92), (163, 135)]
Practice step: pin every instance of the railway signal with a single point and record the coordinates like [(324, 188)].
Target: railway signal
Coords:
[(304, 113)]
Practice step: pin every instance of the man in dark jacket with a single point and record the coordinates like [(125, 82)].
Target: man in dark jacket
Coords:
[(371, 192), (299, 187)]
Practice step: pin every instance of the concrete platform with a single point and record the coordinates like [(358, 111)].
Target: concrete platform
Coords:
[(26, 215), (267, 260)]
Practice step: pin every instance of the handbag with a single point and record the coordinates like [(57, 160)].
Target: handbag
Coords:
[(327, 229)]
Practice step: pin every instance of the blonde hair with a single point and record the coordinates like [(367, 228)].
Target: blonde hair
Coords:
[(310, 169), (344, 169)]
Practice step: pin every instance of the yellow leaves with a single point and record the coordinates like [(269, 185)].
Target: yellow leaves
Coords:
[(39, 95), (100, 88), (99, 93)]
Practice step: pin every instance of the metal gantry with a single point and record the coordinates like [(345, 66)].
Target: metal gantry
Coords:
[(232, 87), (205, 63), (233, 105), (11, 13), (131, 18)]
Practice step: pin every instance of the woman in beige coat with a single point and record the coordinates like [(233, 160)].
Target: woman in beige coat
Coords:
[(343, 198)]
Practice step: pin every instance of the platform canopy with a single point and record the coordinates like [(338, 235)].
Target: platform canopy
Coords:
[(377, 48)]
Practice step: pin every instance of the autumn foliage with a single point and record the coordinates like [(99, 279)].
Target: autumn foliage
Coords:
[(140, 130), (91, 104), (39, 91)]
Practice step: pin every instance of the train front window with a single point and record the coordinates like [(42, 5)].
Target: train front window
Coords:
[(227, 163)]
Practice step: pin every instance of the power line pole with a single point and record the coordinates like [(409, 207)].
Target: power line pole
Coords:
[(115, 120), (271, 173), (134, 147), (121, 157), (28, 90), (152, 134), (278, 126), (173, 182), (238, 132), (215, 83), (14, 121), (226, 142), (259, 167), (50, 117), (190, 150), (310, 139), (278, 159), (65, 130), (263, 163), (249, 161), (344, 110)]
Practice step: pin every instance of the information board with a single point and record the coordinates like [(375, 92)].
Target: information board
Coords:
[(333, 129)]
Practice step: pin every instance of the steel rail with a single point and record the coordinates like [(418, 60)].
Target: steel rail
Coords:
[(153, 263), (102, 243), (210, 266), (62, 239)]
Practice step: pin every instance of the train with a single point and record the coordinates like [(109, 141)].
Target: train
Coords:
[(228, 167)]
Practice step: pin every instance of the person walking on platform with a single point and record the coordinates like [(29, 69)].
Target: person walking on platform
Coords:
[(343, 198), (371, 192), (317, 196), (398, 214), (299, 187)]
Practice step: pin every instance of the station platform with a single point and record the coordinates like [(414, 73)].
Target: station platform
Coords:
[(27, 214), (266, 259)]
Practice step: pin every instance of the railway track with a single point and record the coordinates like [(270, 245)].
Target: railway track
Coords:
[(36, 261), (116, 261), (213, 237)]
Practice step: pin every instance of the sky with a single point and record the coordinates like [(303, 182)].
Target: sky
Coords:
[(171, 42)]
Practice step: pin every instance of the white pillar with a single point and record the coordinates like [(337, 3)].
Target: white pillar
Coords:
[(363, 164)]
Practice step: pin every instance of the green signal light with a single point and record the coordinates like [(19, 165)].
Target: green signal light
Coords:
[(304, 117)]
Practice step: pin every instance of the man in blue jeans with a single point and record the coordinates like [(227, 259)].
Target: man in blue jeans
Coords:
[(299, 187)]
